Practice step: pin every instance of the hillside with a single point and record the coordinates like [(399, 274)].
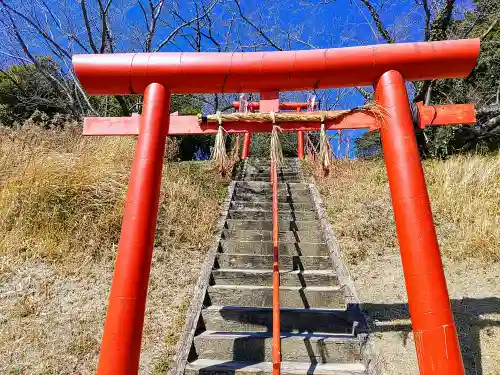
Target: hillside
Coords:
[(464, 194), (61, 199)]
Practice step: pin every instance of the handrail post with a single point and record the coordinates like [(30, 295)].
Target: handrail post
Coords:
[(121, 342), (276, 275), (436, 341)]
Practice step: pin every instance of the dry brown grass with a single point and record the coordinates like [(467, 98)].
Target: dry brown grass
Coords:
[(61, 199), (465, 198)]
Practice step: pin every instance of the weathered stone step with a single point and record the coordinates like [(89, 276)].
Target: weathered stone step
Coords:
[(222, 367), (267, 193), (234, 276), (268, 225), (286, 262), (260, 319), (268, 179), (266, 187), (294, 347), (264, 198), (260, 164), (313, 297), (266, 248), (268, 215), (263, 185), (242, 205), (267, 173), (312, 235), (267, 161)]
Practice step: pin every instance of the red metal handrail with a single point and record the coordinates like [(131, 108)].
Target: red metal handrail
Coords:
[(276, 275)]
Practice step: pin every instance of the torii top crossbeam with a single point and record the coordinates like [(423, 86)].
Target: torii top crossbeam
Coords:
[(206, 72)]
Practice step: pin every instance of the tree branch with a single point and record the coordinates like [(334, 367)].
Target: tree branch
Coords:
[(187, 23), (378, 22), (427, 31), (259, 30), (87, 26), (105, 34), (490, 29), (37, 28), (367, 95), (439, 27)]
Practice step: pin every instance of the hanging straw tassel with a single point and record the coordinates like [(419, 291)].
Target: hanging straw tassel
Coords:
[(235, 152), (276, 151), (219, 154), (324, 154)]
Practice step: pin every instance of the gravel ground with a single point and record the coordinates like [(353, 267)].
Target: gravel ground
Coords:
[(474, 291)]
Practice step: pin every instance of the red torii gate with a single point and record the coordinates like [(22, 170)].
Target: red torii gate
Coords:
[(287, 106), (386, 67)]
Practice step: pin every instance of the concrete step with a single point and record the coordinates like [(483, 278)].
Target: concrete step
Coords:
[(304, 278), (316, 348), (260, 319), (268, 206), (268, 179), (267, 173), (331, 297), (266, 163), (268, 215), (264, 184), (264, 198), (266, 193), (268, 225), (222, 367), (287, 168), (286, 262), (266, 248), (312, 235)]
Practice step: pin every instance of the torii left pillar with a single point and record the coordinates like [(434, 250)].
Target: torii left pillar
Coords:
[(120, 348)]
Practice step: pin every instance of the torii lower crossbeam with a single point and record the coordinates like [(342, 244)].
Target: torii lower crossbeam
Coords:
[(185, 125)]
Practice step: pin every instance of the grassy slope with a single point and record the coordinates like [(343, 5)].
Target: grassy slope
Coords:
[(465, 198), (61, 199)]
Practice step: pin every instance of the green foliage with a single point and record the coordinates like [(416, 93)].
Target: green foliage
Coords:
[(481, 87), (368, 145), (24, 90), (260, 145), (191, 146)]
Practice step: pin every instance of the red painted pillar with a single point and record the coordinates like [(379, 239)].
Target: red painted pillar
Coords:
[(121, 342), (300, 142), (246, 145), (436, 342)]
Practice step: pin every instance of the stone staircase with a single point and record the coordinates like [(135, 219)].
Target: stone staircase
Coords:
[(233, 334)]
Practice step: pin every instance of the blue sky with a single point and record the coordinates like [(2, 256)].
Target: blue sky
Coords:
[(291, 24)]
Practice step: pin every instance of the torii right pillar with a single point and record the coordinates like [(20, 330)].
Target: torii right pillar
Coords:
[(435, 334)]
